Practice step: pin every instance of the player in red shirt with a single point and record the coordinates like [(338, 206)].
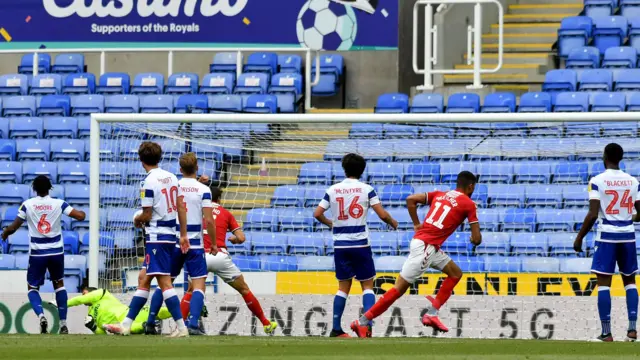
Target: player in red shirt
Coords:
[(219, 261), (447, 211)]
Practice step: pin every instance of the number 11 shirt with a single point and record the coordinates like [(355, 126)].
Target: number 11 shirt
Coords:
[(160, 191), (447, 211)]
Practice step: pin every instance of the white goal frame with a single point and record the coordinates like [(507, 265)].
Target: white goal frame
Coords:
[(97, 119)]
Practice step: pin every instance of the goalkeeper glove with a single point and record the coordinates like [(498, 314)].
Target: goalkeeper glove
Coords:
[(90, 323)]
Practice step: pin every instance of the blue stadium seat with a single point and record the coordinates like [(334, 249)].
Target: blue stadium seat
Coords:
[(60, 127), (67, 149), (68, 63), (26, 63), (392, 103), (582, 129), (626, 80), (608, 101), (518, 220), (46, 84), (595, 8), (28, 149), (295, 219), (278, 263), (529, 244), (596, 80), (336, 149), (189, 103), (217, 83), (71, 242), (535, 102), (583, 57), (449, 171), (182, 83), (375, 224), (75, 266), (385, 173), (634, 21), (11, 171), (469, 263), (13, 84), (315, 173), (262, 62), (518, 130), (560, 80), (383, 243), (331, 71), (148, 83), (395, 131), (506, 195), (574, 32), (32, 169), (458, 243), (505, 264), (480, 196), (375, 150), (417, 173), (496, 172), (7, 150), (389, 263), (54, 105), (571, 173), (9, 216), (26, 127), (247, 262), (225, 62), (427, 103), (122, 104), (540, 265), (19, 242), (473, 130), (575, 196), (590, 148), (413, 150), (290, 63), (225, 103), (316, 263), (366, 131), (118, 218), (609, 31), (252, 83), (305, 244), (561, 244), (493, 243), (261, 219), (78, 84), (265, 104), (554, 220), (620, 129), (395, 195), (313, 195), (541, 196), (287, 87), (269, 243), (87, 104), (499, 102), (7, 262), (575, 265), (22, 261), (114, 83), (288, 195), (157, 104), (77, 194), (463, 103), (620, 57), (572, 102), (19, 106), (532, 172)]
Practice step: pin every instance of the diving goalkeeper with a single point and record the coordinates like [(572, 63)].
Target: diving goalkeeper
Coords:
[(105, 309)]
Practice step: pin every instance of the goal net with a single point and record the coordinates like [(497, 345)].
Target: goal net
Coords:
[(524, 281)]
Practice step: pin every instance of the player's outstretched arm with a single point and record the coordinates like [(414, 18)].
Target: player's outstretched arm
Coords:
[(86, 299), (318, 213), (385, 216), (587, 224), (11, 229), (77, 214), (412, 206)]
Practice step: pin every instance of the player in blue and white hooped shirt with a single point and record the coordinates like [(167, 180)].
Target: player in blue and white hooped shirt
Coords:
[(613, 195), (196, 198), (349, 201), (46, 246), (160, 208)]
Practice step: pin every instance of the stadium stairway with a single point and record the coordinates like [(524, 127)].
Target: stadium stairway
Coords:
[(530, 29)]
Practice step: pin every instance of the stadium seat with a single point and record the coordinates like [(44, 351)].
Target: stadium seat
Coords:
[(315, 263), (68, 63), (469, 263), (575, 265), (493, 243), (449, 171), (595, 8), (11, 172), (27, 149), (252, 83), (60, 127), (540, 265), (518, 220), (217, 83), (560, 80), (46, 84), (414, 150), (295, 219), (288, 195), (530, 172), (596, 80), (572, 101), (463, 103), (499, 102), (457, 243), (574, 32), (608, 101), (366, 131), (505, 264), (265, 104), (305, 244), (609, 31), (315, 173), (262, 62), (385, 173), (554, 220), (75, 266), (529, 244), (583, 57), (496, 172), (394, 131), (182, 83), (87, 104), (392, 104), (375, 150), (269, 243), (122, 104), (247, 263), (544, 196), (389, 263), (225, 62), (19, 106), (54, 105), (278, 263), (19, 242), (419, 173), (26, 63), (189, 103), (156, 104), (571, 173), (590, 148), (473, 130), (25, 128), (561, 244), (78, 84), (261, 219), (626, 80), (71, 242), (13, 84), (73, 172), (506, 195), (4, 127), (148, 84), (427, 103), (22, 261), (7, 262), (535, 102), (383, 243), (77, 194), (401, 215), (313, 195), (114, 83), (9, 215), (32, 169), (634, 22), (290, 63), (332, 69), (336, 149), (225, 103), (620, 57), (575, 196), (620, 129), (395, 195)]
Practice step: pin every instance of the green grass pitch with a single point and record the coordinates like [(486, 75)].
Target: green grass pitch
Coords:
[(53, 347)]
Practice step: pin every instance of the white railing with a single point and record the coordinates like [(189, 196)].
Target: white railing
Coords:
[(474, 42), (170, 52)]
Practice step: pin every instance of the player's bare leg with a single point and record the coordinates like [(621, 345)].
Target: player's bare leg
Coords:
[(431, 319), (604, 306), (631, 290), (61, 300), (339, 303), (253, 304), (361, 326), (196, 305)]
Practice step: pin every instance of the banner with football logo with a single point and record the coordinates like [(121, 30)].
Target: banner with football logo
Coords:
[(317, 24)]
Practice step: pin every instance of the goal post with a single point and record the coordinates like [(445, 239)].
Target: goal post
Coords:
[(524, 281)]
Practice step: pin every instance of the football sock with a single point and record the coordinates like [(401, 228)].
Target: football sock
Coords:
[(446, 289), (185, 304), (156, 304), (381, 306), (254, 305), (339, 303), (173, 305), (61, 300), (197, 302), (368, 299), (632, 305), (36, 302), (137, 302), (604, 308)]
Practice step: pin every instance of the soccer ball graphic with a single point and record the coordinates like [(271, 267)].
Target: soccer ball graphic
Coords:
[(326, 25)]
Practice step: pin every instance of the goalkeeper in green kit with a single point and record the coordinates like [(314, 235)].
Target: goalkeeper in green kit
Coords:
[(105, 309)]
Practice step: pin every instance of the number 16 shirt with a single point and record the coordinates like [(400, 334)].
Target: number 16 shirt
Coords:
[(349, 202), (160, 191), (447, 211), (617, 192)]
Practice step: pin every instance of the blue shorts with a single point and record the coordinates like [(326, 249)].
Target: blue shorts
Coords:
[(354, 262), (157, 259), (194, 262), (606, 255), (38, 266)]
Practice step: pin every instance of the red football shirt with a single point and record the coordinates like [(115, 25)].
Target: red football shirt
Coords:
[(448, 210), (224, 222)]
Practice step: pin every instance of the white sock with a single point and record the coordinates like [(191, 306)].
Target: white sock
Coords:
[(63, 322), (41, 316), (181, 325), (126, 323)]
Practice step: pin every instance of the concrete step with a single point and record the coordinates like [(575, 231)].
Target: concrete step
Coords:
[(249, 189), (527, 28), (529, 38), (523, 78), (518, 47), (531, 17), (518, 9), (292, 157), (252, 180), (517, 58), (532, 69), (275, 172), (517, 89)]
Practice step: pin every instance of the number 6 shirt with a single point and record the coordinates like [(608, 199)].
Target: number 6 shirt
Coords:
[(44, 215), (160, 191), (349, 202), (617, 192), (447, 211)]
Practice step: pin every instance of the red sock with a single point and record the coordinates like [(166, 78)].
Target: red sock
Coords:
[(185, 304), (446, 289), (383, 304), (254, 305)]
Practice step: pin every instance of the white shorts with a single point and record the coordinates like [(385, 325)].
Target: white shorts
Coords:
[(421, 258), (222, 265)]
